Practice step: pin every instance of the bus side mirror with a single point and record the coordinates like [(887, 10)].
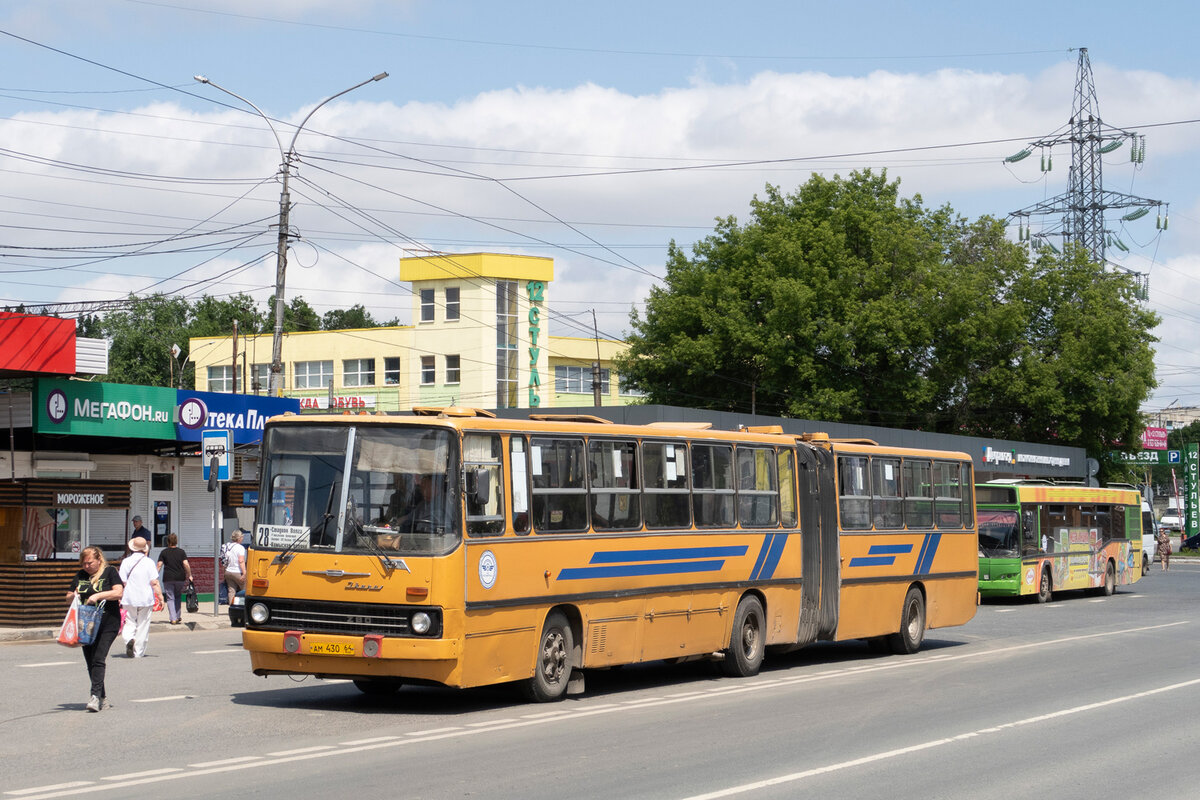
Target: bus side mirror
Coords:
[(478, 487)]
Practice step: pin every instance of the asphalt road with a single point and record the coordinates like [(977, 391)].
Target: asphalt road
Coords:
[(1083, 697)]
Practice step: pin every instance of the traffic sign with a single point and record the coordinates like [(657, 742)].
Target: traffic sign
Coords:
[(1149, 457), (219, 445)]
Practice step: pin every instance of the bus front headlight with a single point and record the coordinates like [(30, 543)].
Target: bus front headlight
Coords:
[(421, 623), (259, 613)]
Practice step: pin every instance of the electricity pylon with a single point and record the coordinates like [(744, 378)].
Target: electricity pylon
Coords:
[(1080, 209)]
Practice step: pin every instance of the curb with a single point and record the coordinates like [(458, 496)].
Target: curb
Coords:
[(191, 622)]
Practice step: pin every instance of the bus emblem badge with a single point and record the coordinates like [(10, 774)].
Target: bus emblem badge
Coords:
[(487, 569)]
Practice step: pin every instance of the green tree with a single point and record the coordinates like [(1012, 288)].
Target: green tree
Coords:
[(845, 301), (346, 318), (141, 336)]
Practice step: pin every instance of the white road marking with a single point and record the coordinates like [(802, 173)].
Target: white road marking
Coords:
[(733, 688), (146, 774), (888, 754), (225, 762), (47, 664), (300, 750), (357, 742), (489, 723), (161, 699), (223, 650), (56, 787)]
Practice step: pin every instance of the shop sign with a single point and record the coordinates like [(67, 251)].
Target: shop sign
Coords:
[(339, 402), (244, 415), (992, 455), (105, 409), (536, 291)]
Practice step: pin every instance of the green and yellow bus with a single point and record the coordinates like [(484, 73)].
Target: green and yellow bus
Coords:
[(455, 548), (1037, 538)]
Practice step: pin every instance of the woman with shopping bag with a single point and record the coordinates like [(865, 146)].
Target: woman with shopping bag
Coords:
[(98, 583)]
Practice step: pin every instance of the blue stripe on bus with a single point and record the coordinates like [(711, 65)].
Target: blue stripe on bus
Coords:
[(762, 557), (628, 570), (881, 555), (928, 551), (666, 554), (779, 542)]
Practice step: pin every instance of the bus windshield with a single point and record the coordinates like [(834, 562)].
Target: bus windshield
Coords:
[(998, 533), (371, 489)]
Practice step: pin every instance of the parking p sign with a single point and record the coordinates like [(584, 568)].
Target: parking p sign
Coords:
[(217, 444)]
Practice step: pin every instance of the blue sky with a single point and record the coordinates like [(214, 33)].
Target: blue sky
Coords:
[(495, 117)]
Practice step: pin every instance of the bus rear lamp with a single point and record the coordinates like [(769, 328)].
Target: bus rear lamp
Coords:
[(259, 613), (291, 641), (372, 645), (421, 623), (415, 592)]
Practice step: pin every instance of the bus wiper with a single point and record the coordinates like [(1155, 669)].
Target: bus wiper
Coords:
[(289, 552)]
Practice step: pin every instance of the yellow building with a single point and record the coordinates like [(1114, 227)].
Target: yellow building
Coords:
[(479, 337)]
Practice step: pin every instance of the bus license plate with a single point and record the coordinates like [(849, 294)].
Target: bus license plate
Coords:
[(331, 649)]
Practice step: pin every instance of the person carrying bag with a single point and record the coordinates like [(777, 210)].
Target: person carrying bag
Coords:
[(93, 586)]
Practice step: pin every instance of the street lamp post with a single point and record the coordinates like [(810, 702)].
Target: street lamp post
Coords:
[(285, 167)]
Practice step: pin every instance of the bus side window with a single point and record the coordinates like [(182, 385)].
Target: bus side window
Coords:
[(485, 500), (559, 486), (854, 493), (1029, 532)]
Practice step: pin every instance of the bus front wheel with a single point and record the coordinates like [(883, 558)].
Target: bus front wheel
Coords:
[(1045, 590), (552, 664), (1145, 565), (912, 624), (744, 657)]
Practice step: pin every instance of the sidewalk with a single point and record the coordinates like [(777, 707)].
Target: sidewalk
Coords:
[(202, 620)]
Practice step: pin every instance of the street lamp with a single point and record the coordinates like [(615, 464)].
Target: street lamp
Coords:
[(286, 158)]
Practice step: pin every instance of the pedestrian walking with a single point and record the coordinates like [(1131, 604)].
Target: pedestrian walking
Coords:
[(141, 596), (234, 556), (1163, 540), (98, 582), (176, 574)]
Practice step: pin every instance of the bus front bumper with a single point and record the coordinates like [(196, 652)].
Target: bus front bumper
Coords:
[(299, 653)]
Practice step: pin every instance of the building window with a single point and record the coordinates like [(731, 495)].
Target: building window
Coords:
[(220, 379), (313, 374), (358, 372), (428, 371), (260, 377), (453, 369), (427, 305), (625, 390), (506, 344), (452, 303), (391, 371), (577, 380)]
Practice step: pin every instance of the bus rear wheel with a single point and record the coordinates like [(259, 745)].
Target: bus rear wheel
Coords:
[(912, 624), (1110, 580), (1045, 589), (1145, 565), (552, 664), (746, 650)]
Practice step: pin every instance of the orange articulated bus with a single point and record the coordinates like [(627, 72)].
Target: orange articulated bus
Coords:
[(455, 548)]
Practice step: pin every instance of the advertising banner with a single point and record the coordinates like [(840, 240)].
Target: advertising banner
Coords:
[(82, 408), (1191, 489)]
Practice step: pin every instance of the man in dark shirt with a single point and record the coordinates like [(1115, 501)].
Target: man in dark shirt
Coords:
[(140, 530)]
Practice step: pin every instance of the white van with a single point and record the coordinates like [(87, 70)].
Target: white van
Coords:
[(1149, 542)]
